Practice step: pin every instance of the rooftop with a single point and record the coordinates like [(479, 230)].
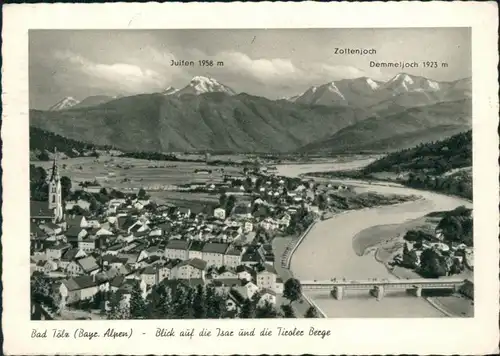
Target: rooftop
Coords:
[(214, 247), (178, 245), (40, 209), (80, 282)]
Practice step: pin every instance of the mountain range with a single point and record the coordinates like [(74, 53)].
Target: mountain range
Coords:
[(350, 114), (403, 90)]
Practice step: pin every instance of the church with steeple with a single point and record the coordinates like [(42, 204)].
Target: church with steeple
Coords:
[(53, 208), (55, 191)]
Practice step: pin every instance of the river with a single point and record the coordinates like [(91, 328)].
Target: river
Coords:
[(327, 251)]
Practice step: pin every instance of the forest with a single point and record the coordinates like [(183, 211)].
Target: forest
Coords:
[(42, 142)]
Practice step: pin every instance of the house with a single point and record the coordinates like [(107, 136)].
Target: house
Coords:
[(40, 266), (50, 266), (69, 256), (165, 270), (192, 268), (138, 226), (267, 296), (248, 290), (251, 257), (149, 275), (234, 301), (35, 231), (77, 221), (103, 232), (75, 234), (245, 273), (177, 249), (247, 227), (232, 257), (213, 253), (242, 211), (113, 261), (150, 252), (87, 243), (86, 265), (123, 223), (220, 213), (40, 212), (77, 288), (224, 273), (127, 287), (195, 249), (116, 282), (284, 220), (184, 212), (266, 278), (50, 228), (269, 224), (56, 251), (300, 188), (259, 201)]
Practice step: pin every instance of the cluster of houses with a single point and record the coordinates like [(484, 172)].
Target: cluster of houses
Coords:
[(453, 253), (133, 241)]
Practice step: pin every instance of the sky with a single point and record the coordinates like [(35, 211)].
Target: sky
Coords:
[(273, 63)]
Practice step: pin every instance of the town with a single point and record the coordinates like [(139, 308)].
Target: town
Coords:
[(124, 251)]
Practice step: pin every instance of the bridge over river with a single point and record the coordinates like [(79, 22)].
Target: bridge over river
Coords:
[(378, 287)]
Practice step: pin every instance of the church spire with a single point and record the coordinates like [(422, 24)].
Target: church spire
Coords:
[(55, 171)]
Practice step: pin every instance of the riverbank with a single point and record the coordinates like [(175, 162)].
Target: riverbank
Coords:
[(358, 176), (386, 248), (328, 250)]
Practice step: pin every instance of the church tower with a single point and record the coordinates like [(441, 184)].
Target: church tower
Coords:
[(55, 191)]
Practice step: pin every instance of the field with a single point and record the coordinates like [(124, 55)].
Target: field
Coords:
[(133, 174)]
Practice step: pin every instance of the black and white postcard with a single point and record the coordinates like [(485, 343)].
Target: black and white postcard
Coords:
[(180, 172)]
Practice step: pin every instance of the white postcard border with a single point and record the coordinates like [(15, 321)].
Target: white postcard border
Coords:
[(476, 335)]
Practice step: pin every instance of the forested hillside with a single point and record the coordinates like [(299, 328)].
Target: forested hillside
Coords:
[(444, 166), (42, 142), (433, 158)]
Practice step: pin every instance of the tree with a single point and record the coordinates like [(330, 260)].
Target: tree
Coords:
[(142, 194), (230, 203), (247, 310), (41, 292), (216, 307), (410, 258), (311, 312), (115, 309), (432, 265), (65, 187), (292, 290), (199, 309), (288, 311), (182, 303), (137, 304), (222, 199), (39, 188), (266, 310), (93, 204)]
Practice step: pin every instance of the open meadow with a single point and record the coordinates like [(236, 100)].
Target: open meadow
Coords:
[(133, 174)]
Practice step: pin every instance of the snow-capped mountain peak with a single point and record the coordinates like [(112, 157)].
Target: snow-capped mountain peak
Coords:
[(333, 88), (170, 90), (372, 84), (65, 103), (201, 85), (433, 85)]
